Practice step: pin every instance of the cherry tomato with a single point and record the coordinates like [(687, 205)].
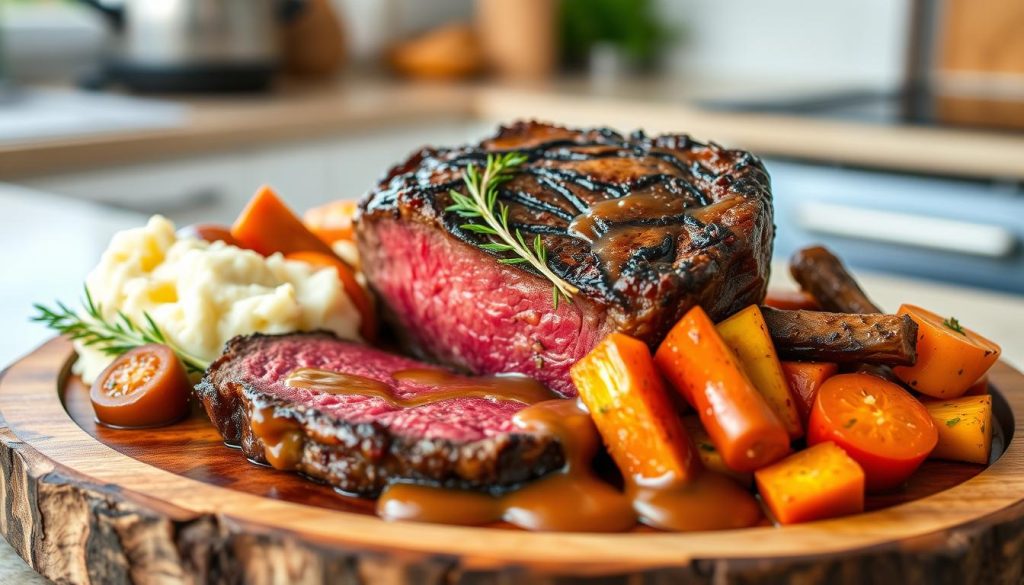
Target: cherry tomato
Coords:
[(210, 232), (145, 387), (879, 424)]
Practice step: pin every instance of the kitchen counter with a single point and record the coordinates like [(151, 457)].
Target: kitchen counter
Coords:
[(297, 112), (48, 244)]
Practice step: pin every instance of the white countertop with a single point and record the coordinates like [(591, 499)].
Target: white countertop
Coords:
[(48, 244)]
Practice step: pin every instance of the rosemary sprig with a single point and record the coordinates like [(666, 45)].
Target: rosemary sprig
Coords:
[(111, 337), (482, 203)]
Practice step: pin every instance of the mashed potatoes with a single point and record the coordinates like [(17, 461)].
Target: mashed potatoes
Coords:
[(202, 294)]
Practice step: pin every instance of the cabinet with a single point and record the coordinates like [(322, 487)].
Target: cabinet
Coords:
[(213, 188)]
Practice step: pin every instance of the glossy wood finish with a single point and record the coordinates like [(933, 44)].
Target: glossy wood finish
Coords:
[(88, 504)]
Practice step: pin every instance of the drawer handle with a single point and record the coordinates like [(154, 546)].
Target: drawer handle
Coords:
[(919, 231)]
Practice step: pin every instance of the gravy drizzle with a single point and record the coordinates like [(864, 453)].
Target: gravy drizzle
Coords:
[(447, 386), (575, 499)]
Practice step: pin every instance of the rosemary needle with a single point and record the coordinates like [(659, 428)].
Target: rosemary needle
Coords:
[(111, 337), (482, 204)]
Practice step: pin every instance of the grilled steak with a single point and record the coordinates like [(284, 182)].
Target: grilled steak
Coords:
[(358, 442), (645, 227)]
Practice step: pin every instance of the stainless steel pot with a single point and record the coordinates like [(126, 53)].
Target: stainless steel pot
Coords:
[(183, 45)]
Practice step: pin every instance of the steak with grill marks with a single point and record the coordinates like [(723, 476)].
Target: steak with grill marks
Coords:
[(361, 443), (645, 228)]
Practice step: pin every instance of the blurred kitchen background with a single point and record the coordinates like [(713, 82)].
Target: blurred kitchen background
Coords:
[(893, 129)]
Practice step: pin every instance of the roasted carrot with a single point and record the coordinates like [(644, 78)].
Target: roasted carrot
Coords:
[(816, 483), (333, 221), (950, 357), (631, 408), (360, 298), (965, 428), (266, 225), (804, 379), (747, 336), (792, 300), (709, 456), (700, 366), (978, 388)]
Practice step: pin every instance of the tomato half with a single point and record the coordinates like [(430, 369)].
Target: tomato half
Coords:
[(145, 387), (879, 424)]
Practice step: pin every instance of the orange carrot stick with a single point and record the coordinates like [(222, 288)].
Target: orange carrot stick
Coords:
[(699, 364), (266, 225)]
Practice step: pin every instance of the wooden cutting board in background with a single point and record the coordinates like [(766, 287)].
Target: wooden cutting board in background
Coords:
[(980, 63)]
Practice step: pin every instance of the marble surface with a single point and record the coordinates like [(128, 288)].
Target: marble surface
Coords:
[(48, 244)]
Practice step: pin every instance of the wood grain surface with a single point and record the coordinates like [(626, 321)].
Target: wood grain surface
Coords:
[(88, 505)]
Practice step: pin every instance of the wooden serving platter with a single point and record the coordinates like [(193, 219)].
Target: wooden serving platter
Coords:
[(87, 504)]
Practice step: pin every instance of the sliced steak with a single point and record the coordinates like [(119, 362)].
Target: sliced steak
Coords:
[(644, 227), (357, 442)]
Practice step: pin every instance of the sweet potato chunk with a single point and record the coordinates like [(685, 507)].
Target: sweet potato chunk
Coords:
[(816, 483), (965, 428)]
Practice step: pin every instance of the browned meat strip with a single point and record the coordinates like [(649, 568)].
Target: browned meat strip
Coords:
[(842, 337), (360, 442), (822, 275)]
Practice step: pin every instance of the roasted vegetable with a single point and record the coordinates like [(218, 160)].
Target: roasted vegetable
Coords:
[(145, 387), (630, 406), (791, 300), (266, 225), (978, 388), (804, 379), (333, 221), (885, 429), (709, 456), (841, 337), (816, 483), (824, 277), (698, 364), (950, 356), (747, 336), (965, 428), (360, 298)]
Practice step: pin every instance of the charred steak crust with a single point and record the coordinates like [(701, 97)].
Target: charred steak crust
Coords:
[(363, 458), (705, 238)]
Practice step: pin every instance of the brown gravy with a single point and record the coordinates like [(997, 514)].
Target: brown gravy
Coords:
[(450, 386), (611, 226), (632, 207), (575, 499), (282, 437)]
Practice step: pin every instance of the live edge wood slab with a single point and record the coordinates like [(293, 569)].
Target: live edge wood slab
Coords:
[(84, 504)]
